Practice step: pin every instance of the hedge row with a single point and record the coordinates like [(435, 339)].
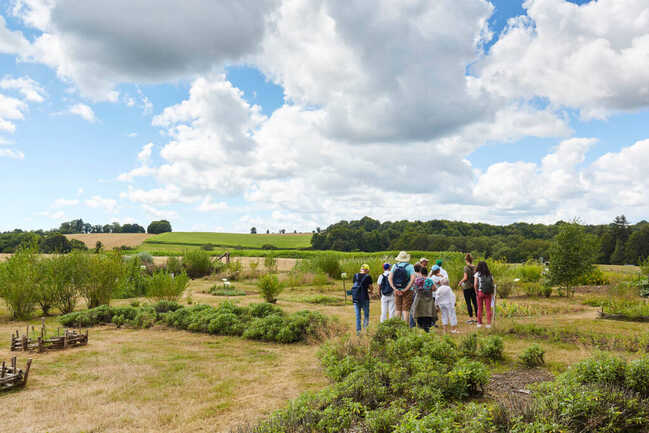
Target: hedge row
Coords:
[(262, 321)]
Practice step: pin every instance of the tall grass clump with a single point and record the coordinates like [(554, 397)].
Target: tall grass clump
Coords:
[(163, 286), (174, 265), (327, 263), (105, 274), (19, 278), (197, 263), (269, 287)]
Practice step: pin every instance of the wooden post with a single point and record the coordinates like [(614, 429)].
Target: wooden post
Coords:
[(27, 367), (2, 373), (13, 364), (65, 340), (41, 349)]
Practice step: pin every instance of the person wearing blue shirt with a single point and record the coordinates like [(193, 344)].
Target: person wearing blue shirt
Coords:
[(402, 277)]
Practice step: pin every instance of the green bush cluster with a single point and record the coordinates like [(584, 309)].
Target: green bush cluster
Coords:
[(408, 382), (532, 356), (263, 321), (395, 380), (197, 263), (27, 280), (163, 286), (133, 315)]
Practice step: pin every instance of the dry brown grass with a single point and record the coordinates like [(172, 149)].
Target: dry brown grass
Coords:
[(111, 240)]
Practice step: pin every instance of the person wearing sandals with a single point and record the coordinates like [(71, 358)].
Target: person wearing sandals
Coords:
[(468, 289), (402, 277)]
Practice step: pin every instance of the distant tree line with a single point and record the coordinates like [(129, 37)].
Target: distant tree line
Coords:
[(50, 241), (79, 226), (617, 243)]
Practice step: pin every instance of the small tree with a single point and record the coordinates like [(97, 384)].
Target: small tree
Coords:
[(269, 287), (163, 286), (571, 256), (157, 227), (253, 231), (618, 257), (99, 247), (19, 279)]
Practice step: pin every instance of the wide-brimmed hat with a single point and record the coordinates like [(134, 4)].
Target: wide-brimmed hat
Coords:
[(402, 257), (423, 259)]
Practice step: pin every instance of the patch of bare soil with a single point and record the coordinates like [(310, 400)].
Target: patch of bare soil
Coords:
[(513, 385), (111, 240)]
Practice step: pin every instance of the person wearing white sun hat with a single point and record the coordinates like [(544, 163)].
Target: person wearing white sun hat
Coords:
[(402, 277)]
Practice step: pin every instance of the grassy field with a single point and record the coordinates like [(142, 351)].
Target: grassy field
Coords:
[(165, 380), (243, 240)]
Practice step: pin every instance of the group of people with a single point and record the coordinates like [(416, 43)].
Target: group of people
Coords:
[(417, 295)]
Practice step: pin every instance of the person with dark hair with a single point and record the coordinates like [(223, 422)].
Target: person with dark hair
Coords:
[(484, 284), (467, 285), (423, 308)]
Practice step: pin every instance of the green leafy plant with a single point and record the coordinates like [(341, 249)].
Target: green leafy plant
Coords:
[(197, 263), (269, 287), (105, 274), (532, 356), (165, 286), (469, 345), (270, 263), (174, 265), (492, 348), (571, 256), (19, 278)]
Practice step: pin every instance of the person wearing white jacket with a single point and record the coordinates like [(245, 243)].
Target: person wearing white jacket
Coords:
[(445, 301)]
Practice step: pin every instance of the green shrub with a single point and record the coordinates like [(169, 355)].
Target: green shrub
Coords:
[(602, 369), (197, 263), (637, 376), (465, 379), (134, 282), (321, 279), (469, 345), (233, 270), (19, 279), (270, 263), (532, 356), (174, 265), (506, 288), (269, 287), (594, 277), (327, 263), (529, 272), (546, 290), (105, 274), (145, 258), (165, 286), (207, 247), (492, 348)]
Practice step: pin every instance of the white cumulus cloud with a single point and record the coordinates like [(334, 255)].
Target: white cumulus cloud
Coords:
[(84, 111)]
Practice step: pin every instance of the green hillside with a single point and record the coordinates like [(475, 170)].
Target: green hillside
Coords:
[(244, 240)]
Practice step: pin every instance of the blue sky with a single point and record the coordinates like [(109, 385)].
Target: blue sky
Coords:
[(396, 114)]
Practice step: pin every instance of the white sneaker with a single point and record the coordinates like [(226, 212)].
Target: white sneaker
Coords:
[(479, 325), (488, 326)]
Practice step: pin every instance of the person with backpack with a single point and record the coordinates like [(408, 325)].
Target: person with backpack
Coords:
[(467, 286), (402, 277), (388, 308), (484, 283), (361, 290)]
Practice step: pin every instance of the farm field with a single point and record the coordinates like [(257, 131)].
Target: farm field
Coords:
[(183, 240), (111, 240), (167, 380)]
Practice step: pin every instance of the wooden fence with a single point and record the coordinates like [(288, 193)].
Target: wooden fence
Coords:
[(41, 343), (11, 377)]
